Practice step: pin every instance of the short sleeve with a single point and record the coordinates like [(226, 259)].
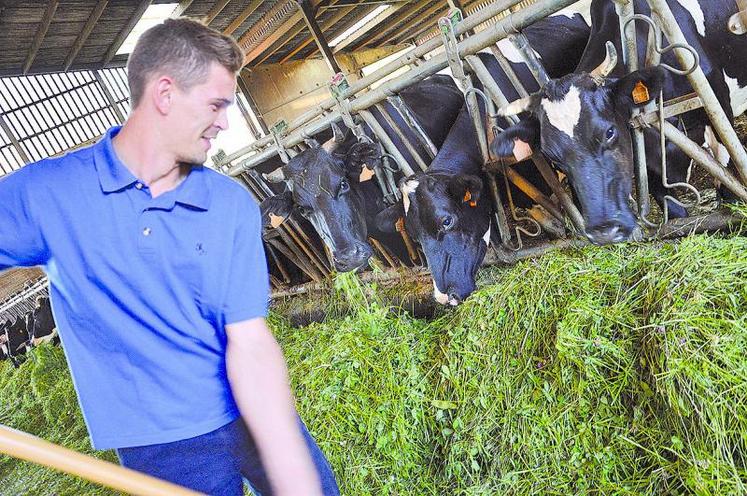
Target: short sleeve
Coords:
[(21, 240), (248, 282)]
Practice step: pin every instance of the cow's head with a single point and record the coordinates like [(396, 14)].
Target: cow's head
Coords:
[(580, 123), (449, 215), (322, 186)]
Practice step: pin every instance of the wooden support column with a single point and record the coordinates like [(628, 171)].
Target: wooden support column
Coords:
[(308, 11), (109, 97)]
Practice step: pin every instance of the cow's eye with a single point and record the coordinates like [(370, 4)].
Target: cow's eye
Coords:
[(610, 134), (344, 186), (447, 222), (305, 211)]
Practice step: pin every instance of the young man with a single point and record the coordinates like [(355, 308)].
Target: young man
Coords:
[(159, 284)]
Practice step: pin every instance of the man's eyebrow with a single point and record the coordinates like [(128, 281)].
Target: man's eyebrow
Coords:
[(223, 102)]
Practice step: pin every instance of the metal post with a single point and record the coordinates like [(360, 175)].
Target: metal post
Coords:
[(402, 136), (253, 107), (409, 117), (387, 142), (699, 82), (109, 97), (12, 137), (316, 33)]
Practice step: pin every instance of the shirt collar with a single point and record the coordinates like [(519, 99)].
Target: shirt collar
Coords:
[(115, 176)]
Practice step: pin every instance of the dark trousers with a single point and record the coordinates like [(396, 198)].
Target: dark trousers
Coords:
[(218, 462)]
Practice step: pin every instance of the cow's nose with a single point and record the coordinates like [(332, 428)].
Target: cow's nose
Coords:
[(454, 298), (353, 257), (609, 232)]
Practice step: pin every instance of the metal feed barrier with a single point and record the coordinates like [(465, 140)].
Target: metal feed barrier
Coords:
[(461, 44)]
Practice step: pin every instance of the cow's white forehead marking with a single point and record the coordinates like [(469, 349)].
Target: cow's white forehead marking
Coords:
[(564, 114), (693, 7), (582, 7), (486, 236), (737, 95), (407, 189)]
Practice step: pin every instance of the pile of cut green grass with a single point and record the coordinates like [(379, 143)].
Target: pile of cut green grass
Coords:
[(619, 370)]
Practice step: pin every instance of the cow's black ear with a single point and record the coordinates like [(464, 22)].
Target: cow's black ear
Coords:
[(518, 141), (361, 159), (386, 220), (466, 189), (639, 87), (276, 209)]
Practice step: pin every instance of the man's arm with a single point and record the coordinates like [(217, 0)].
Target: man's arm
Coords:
[(260, 385)]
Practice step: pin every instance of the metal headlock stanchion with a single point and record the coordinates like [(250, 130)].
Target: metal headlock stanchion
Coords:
[(33, 449)]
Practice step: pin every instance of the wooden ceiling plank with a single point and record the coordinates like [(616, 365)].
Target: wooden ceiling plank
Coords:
[(326, 25), (249, 10), (215, 11), (277, 34), (181, 8), (422, 19), (395, 20), (83, 36), (122, 36), (41, 32)]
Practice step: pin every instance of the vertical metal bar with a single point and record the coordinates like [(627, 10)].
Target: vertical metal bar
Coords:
[(402, 136), (108, 95), (699, 82), (521, 43), (411, 119), (37, 106), (64, 98), (387, 142), (55, 99), (308, 14), (12, 137), (253, 106)]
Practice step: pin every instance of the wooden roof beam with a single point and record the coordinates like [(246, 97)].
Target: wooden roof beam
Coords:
[(181, 8), (41, 32), (424, 20), (217, 9), (249, 10), (83, 36), (324, 26), (363, 30), (300, 26), (277, 34), (126, 30), (400, 16)]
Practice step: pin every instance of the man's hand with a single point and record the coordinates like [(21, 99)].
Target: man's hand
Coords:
[(259, 382)]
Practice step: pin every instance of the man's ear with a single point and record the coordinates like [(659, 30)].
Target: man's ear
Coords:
[(639, 87), (386, 220), (518, 141), (466, 189), (276, 210), (162, 93)]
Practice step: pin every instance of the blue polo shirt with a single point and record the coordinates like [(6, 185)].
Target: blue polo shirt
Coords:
[(141, 287)]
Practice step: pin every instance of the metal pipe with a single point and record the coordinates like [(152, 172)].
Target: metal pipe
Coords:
[(308, 14), (565, 200), (407, 59), (387, 142), (699, 82), (532, 192), (411, 119), (704, 158), (521, 43), (402, 136)]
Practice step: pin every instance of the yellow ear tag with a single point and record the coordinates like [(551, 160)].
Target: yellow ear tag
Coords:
[(640, 93), (522, 150), (366, 174), (276, 220)]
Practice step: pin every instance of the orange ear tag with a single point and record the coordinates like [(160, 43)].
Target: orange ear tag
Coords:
[(366, 174), (276, 220), (468, 198), (640, 93)]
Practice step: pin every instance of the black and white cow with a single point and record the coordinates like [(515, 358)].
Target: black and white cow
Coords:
[(580, 121), (448, 208), (331, 185), (14, 338), (42, 327)]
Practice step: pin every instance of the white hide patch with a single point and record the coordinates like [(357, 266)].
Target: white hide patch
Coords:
[(407, 189), (511, 53), (564, 114), (693, 8), (712, 144), (737, 95), (486, 237), (441, 298), (582, 7)]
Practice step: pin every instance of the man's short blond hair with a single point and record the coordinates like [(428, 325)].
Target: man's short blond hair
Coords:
[(182, 49)]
